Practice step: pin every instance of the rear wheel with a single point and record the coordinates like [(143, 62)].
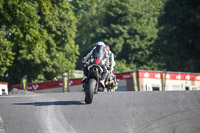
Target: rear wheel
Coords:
[(89, 91)]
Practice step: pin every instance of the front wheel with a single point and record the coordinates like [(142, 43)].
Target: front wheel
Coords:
[(89, 91)]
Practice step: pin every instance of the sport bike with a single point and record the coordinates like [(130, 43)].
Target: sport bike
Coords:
[(95, 71)]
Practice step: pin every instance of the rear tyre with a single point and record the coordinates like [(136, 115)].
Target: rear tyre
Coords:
[(89, 92)]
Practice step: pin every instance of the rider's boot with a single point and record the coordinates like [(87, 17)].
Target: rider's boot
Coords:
[(103, 78), (102, 83)]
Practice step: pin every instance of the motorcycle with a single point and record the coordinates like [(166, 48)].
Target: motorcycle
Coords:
[(95, 71), (111, 84)]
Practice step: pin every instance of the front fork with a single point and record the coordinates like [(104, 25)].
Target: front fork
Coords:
[(97, 87)]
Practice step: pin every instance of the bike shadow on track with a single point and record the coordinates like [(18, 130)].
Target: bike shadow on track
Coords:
[(52, 103)]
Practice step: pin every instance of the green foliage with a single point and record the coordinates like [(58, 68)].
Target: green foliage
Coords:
[(121, 66), (129, 27), (178, 44), (21, 21), (44, 5), (6, 54), (130, 31), (39, 38), (60, 24), (89, 14), (41, 34)]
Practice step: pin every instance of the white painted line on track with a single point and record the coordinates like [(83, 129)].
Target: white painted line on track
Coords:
[(54, 121), (20, 95), (2, 128)]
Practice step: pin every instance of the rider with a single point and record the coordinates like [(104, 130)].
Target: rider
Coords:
[(110, 63), (87, 63)]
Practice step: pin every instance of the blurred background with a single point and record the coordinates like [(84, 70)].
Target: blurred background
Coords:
[(46, 38)]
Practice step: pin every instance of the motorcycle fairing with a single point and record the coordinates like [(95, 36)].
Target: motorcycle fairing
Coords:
[(99, 55)]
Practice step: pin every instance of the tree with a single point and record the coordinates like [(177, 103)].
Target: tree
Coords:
[(178, 44), (129, 27), (89, 14), (6, 54), (60, 24), (21, 21), (41, 44)]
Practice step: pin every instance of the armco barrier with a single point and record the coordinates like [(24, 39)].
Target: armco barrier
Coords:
[(72, 82), (134, 80)]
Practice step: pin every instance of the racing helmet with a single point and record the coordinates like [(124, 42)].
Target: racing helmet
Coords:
[(100, 43)]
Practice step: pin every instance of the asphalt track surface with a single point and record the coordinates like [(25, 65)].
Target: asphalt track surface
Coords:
[(117, 112)]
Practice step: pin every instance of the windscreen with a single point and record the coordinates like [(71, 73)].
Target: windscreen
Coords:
[(99, 54)]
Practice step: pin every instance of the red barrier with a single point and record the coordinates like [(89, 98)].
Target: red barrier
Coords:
[(169, 75), (40, 86), (72, 82), (121, 76), (3, 83)]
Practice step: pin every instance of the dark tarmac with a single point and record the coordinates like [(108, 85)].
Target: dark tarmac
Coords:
[(117, 112)]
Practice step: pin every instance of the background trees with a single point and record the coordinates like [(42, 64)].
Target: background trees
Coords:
[(43, 38), (6, 54), (23, 30), (178, 42), (34, 49), (129, 27), (60, 24)]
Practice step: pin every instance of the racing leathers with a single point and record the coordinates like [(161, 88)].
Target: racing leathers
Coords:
[(89, 58), (110, 62)]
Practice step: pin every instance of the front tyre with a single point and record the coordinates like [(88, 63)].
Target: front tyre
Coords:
[(89, 91)]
